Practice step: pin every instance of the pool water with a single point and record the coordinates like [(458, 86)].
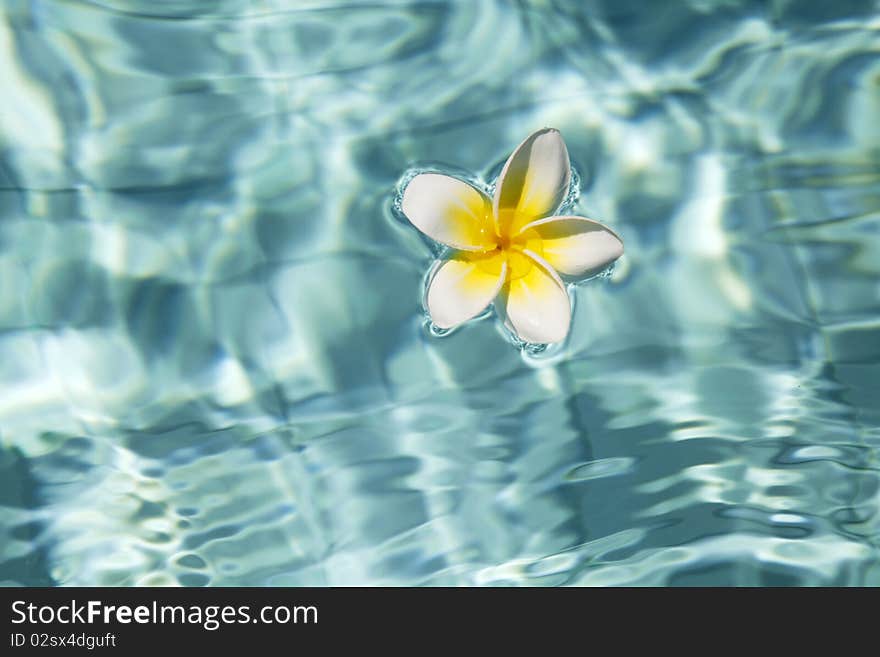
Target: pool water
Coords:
[(214, 364)]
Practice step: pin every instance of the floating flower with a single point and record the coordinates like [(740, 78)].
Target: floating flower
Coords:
[(510, 249)]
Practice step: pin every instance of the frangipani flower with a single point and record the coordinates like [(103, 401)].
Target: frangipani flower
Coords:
[(510, 249)]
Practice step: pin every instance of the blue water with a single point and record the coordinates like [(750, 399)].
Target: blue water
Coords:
[(214, 366)]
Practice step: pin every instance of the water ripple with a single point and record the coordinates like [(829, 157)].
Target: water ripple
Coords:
[(214, 366)]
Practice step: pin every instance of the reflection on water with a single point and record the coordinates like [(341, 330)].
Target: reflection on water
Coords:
[(214, 368)]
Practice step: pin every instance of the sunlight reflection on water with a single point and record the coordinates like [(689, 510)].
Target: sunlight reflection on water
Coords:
[(214, 366)]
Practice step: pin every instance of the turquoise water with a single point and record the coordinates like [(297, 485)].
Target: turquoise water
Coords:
[(214, 368)]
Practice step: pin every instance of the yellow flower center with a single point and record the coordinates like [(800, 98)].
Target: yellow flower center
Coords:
[(510, 249)]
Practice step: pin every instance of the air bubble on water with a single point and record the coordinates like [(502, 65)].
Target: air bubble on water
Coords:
[(600, 275), (544, 355), (533, 349), (436, 331), (605, 273), (529, 350), (534, 354), (574, 192)]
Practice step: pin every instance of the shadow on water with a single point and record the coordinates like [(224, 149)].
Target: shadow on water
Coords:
[(19, 496)]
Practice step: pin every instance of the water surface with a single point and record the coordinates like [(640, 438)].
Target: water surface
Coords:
[(214, 368)]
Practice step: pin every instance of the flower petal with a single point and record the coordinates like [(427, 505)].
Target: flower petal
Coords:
[(449, 211), (463, 287), (536, 306), (533, 182), (576, 245)]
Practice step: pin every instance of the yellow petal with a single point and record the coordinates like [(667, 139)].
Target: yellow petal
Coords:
[(533, 182), (463, 287), (576, 245), (536, 306), (449, 211)]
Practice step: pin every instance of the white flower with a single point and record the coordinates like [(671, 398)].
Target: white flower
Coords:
[(510, 249)]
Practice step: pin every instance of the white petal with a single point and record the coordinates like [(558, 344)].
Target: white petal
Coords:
[(463, 287), (536, 306), (449, 211), (576, 245), (534, 180)]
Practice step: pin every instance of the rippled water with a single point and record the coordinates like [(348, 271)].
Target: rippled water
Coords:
[(213, 363)]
